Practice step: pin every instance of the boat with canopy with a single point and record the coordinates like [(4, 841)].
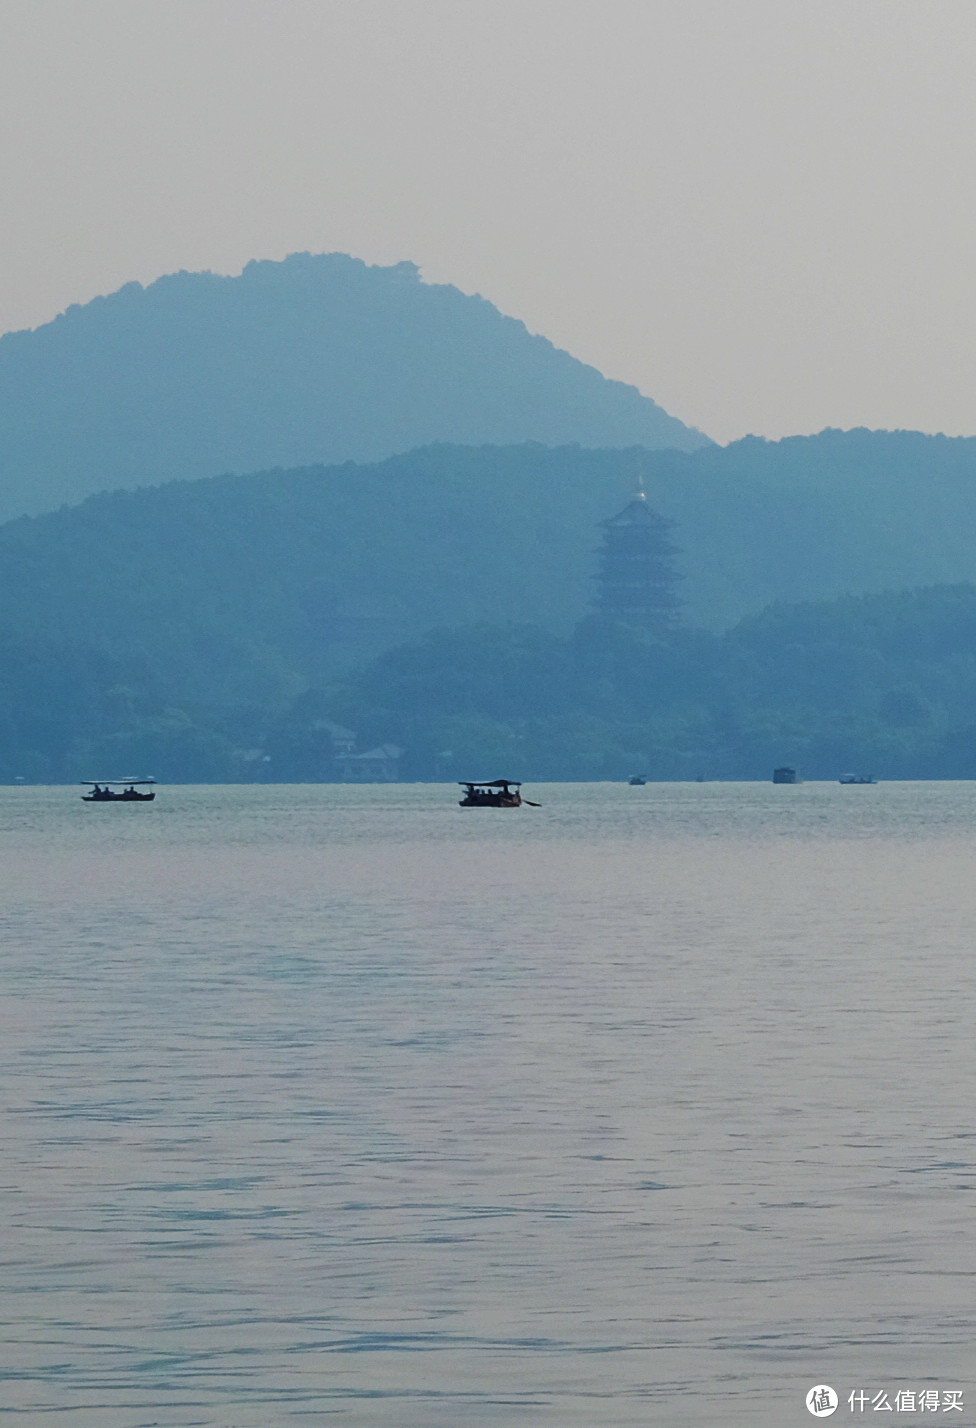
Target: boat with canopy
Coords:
[(497, 793)]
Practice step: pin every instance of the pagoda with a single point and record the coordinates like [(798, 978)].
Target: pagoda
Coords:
[(636, 577)]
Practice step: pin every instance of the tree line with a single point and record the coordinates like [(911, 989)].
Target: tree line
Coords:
[(882, 684)]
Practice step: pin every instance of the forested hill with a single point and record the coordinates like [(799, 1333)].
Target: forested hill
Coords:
[(178, 622), (239, 585), (810, 517), (314, 359)]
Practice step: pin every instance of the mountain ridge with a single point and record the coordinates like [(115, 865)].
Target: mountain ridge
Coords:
[(191, 616), (448, 535), (315, 359)]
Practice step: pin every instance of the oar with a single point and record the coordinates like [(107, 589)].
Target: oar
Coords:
[(531, 804)]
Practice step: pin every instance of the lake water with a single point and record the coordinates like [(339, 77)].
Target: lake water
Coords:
[(328, 1104)]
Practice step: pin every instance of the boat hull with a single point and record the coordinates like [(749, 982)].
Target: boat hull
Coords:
[(491, 800), (117, 797)]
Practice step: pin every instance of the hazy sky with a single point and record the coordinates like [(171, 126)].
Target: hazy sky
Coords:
[(761, 212)]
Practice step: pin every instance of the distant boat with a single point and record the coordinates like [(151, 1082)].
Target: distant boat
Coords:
[(499, 793), (857, 778), (784, 775), (637, 780), (103, 792)]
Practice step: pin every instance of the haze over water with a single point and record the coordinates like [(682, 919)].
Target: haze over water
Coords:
[(649, 1106)]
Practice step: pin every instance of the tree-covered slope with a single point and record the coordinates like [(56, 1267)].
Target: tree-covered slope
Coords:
[(315, 359), (238, 587), (879, 684), (180, 623), (241, 587), (815, 516)]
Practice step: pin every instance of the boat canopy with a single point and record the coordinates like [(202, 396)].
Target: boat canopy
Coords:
[(490, 783), (107, 782)]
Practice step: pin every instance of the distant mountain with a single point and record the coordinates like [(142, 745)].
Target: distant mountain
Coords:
[(314, 359)]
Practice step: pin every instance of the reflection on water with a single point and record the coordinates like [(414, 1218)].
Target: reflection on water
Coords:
[(653, 1105)]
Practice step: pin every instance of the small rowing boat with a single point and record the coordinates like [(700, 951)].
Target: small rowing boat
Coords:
[(102, 791)]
